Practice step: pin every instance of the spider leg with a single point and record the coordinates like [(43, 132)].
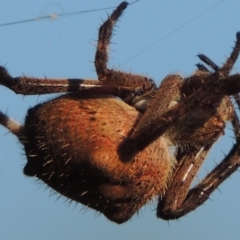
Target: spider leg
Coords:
[(104, 37), (189, 162), (179, 200), (123, 85), (112, 77), (153, 123), (213, 87), (12, 125), (31, 85), (227, 67)]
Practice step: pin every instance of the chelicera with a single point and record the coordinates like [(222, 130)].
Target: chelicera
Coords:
[(106, 143)]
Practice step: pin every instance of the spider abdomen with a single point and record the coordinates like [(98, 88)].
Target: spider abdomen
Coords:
[(72, 143)]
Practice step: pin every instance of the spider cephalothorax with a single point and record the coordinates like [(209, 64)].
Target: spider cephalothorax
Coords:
[(112, 154)]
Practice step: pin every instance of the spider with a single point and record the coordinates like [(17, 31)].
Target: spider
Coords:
[(106, 143)]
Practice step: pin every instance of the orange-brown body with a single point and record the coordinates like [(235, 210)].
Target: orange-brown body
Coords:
[(72, 145), (98, 150)]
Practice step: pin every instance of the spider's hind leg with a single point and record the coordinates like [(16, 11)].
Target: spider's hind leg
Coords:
[(132, 83), (104, 37)]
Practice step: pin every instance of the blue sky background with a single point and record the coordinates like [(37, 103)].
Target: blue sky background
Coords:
[(65, 47)]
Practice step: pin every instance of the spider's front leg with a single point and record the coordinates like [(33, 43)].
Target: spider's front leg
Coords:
[(170, 205), (200, 95), (179, 200)]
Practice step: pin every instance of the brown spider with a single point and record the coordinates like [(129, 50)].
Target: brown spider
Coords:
[(106, 144)]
